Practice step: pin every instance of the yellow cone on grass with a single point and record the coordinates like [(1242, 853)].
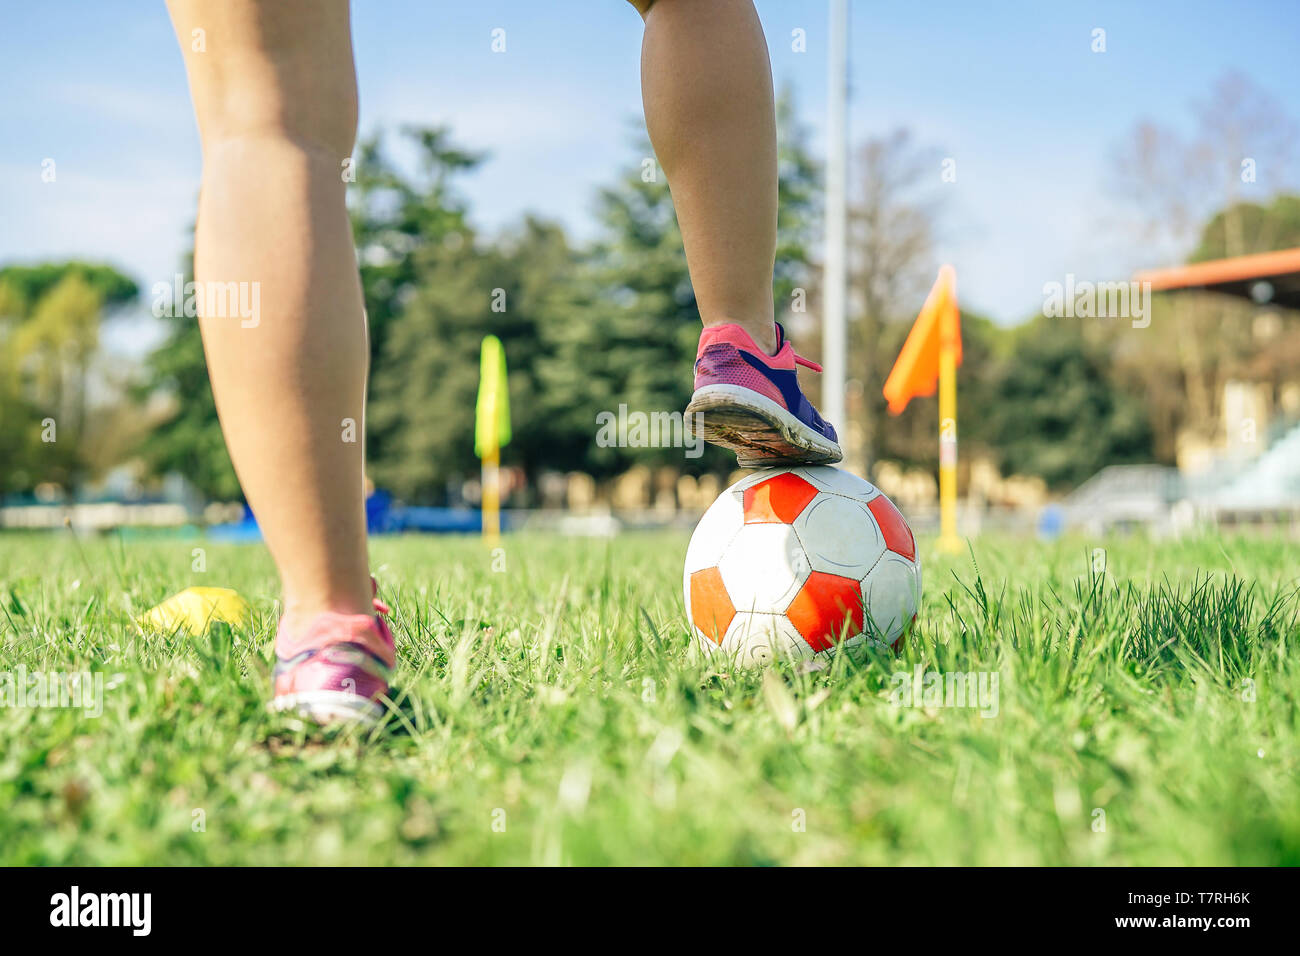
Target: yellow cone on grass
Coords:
[(194, 609)]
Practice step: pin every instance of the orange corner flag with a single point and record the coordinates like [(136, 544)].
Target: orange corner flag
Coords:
[(938, 326)]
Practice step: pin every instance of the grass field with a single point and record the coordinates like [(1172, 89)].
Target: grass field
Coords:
[(556, 712)]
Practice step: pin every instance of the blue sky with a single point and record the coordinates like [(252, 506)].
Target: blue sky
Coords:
[(1011, 91)]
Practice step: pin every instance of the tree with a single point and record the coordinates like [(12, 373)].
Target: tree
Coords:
[(56, 344), (632, 336), (1054, 410), (186, 438), (411, 234), (891, 241), (21, 460), (50, 317), (399, 220), (434, 289), (426, 379), (585, 330), (24, 286), (1263, 228), (1186, 196), (1171, 184), (891, 224), (913, 437), (631, 327)]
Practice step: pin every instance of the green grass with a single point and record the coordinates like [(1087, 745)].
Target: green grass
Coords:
[(558, 713)]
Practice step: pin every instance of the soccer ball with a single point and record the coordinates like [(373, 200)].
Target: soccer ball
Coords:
[(797, 563)]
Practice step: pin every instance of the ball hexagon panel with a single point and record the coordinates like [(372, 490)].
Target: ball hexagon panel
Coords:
[(708, 604), (840, 536), (892, 591), (755, 639), (838, 482), (827, 607), (763, 567), (714, 532), (777, 500), (898, 536)]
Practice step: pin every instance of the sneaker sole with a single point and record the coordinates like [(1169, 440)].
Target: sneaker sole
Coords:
[(757, 429), (328, 706)]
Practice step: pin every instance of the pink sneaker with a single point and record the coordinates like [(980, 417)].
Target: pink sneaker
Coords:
[(750, 402), (336, 668)]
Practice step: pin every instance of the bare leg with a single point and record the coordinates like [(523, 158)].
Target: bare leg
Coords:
[(707, 87), (274, 89)]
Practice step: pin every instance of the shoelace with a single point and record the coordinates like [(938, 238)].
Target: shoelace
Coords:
[(781, 342), (380, 606)]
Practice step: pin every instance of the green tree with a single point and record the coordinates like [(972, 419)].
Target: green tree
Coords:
[(584, 330), (1055, 411), (631, 338), (50, 317), (22, 463), (24, 286), (187, 437), (401, 222), (913, 437), (403, 225), (434, 289), (631, 334), (1264, 228), (426, 379)]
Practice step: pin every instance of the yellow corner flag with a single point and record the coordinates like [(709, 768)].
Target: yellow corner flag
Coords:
[(492, 413), (930, 357), (492, 429)]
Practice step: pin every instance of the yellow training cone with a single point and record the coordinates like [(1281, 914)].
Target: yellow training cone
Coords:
[(195, 608)]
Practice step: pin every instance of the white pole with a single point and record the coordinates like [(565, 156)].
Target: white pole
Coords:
[(835, 339)]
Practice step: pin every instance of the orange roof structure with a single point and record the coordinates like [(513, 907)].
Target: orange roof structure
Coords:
[(1267, 278)]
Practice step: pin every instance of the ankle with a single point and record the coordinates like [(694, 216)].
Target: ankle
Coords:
[(762, 332), (300, 611)]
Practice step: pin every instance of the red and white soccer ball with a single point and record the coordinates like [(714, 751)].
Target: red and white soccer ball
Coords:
[(799, 563)]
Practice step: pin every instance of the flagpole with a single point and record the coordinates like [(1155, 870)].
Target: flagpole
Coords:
[(834, 336), (930, 356), (492, 495), (949, 543)]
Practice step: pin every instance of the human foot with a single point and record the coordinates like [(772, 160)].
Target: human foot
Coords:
[(335, 667), (750, 402)]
